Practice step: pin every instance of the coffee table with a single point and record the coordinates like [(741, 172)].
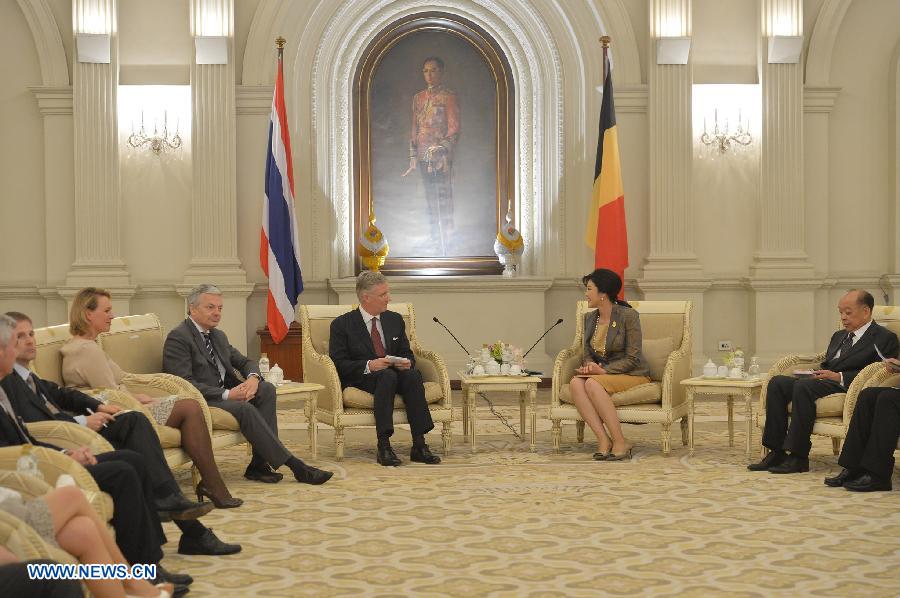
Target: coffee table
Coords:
[(525, 386), (748, 388)]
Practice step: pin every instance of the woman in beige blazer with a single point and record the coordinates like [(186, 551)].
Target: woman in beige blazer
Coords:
[(612, 362)]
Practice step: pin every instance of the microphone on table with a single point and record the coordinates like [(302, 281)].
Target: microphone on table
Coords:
[(453, 335), (558, 322)]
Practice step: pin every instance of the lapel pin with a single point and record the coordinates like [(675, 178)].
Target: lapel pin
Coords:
[(614, 323)]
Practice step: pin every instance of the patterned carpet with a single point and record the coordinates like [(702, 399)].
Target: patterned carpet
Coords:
[(508, 522)]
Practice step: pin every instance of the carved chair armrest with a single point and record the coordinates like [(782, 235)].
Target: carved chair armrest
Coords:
[(320, 369), (69, 435), (433, 369), (24, 542), (678, 368), (26, 485), (564, 367), (52, 465), (874, 374)]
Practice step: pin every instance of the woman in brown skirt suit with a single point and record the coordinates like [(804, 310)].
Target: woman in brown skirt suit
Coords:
[(612, 362)]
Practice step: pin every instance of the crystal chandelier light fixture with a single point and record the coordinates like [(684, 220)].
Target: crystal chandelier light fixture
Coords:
[(722, 138), (159, 141)]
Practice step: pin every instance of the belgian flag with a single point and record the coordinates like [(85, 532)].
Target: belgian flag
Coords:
[(605, 231)]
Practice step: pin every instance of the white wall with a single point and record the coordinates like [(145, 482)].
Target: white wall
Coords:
[(156, 194)]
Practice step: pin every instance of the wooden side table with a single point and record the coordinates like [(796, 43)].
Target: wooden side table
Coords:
[(748, 388), (526, 386), (308, 392), (288, 354)]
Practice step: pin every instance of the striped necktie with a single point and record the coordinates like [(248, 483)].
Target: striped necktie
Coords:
[(212, 354), (32, 384)]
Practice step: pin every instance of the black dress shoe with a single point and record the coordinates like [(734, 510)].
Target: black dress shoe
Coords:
[(387, 457), (208, 543), (307, 474), (423, 454), (165, 576), (842, 478), (177, 506), (258, 474), (792, 464), (868, 483), (771, 460)]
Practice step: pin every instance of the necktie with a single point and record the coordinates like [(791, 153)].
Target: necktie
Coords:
[(32, 384), (212, 354), (376, 339), (845, 345)]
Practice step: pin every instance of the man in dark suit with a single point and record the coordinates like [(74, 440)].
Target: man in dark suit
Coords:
[(121, 474), (868, 454), (849, 351), (371, 352), (199, 352), (35, 400)]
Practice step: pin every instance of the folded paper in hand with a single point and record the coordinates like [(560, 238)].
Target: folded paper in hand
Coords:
[(804, 373)]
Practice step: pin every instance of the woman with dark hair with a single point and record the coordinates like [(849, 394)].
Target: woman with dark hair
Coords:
[(612, 362)]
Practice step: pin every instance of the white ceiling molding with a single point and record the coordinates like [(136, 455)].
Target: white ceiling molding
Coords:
[(47, 41), (823, 40)]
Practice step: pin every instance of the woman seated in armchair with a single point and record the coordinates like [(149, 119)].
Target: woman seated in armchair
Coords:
[(85, 365), (612, 362)]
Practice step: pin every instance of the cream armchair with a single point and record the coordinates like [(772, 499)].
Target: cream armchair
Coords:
[(353, 407), (666, 330), (53, 464), (833, 412), (21, 540)]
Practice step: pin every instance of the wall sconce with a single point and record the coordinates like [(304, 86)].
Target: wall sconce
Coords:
[(159, 140), (721, 138), (93, 47), (211, 49), (785, 49), (673, 50)]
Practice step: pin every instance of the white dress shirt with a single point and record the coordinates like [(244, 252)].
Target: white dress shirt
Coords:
[(367, 319), (857, 334)]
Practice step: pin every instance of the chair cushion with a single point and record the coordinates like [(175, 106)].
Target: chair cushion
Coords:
[(656, 352), (642, 394), (828, 406), (359, 399), (169, 437), (222, 420)]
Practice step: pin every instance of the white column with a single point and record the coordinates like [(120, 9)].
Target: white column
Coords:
[(214, 256), (672, 270), (98, 248), (782, 274), (893, 280)]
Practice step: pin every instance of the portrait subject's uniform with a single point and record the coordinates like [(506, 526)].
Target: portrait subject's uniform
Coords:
[(435, 131)]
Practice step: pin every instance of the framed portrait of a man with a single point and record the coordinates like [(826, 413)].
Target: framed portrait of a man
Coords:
[(433, 140)]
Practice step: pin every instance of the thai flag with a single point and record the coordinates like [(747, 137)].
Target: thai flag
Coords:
[(278, 247)]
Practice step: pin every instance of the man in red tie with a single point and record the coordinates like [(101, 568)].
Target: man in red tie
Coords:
[(370, 349)]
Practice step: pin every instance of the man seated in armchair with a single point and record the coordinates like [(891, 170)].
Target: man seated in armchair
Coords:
[(849, 351), (371, 352), (868, 454)]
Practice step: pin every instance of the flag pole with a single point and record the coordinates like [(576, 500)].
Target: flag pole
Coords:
[(604, 42)]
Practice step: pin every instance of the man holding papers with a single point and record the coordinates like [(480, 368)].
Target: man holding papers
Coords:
[(849, 351), (371, 352)]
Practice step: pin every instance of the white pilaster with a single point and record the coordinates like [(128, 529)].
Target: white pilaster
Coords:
[(782, 274), (214, 257), (98, 251), (671, 255)]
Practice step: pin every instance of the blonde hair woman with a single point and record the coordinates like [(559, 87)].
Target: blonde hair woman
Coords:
[(86, 365)]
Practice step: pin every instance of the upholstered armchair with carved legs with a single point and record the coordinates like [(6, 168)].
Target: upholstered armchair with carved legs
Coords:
[(666, 331), (352, 407)]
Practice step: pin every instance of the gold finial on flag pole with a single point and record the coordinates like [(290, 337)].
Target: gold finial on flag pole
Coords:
[(604, 42), (279, 42)]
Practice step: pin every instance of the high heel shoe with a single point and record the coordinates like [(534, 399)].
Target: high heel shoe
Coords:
[(598, 456), (623, 456), (221, 503)]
